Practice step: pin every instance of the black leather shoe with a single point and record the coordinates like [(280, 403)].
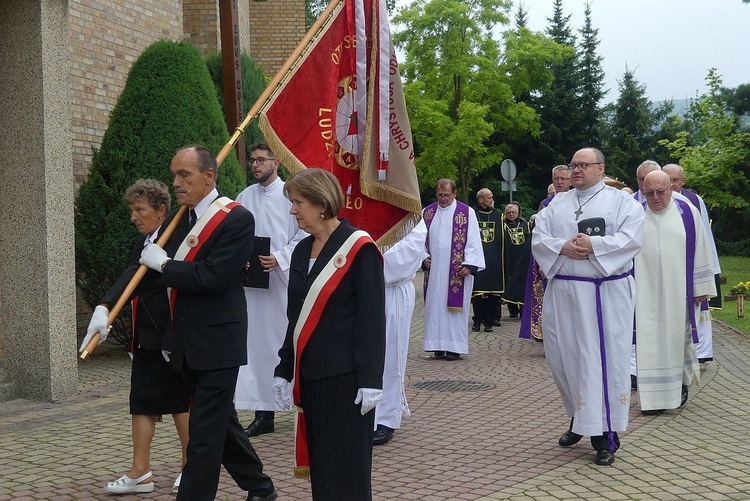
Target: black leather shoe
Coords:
[(704, 360), (268, 497), (382, 435), (604, 457), (652, 412), (259, 426), (488, 328), (633, 382), (439, 354), (497, 323), (569, 438), (450, 356), (684, 398), (475, 328)]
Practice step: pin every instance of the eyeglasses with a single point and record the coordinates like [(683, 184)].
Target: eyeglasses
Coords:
[(558, 179), (582, 165), (259, 160), (441, 195), (659, 193)]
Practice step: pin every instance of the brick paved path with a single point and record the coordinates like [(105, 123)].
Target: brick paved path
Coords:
[(495, 438)]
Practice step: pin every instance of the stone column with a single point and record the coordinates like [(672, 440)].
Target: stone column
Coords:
[(37, 286)]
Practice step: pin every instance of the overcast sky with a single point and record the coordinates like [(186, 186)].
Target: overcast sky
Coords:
[(669, 44)]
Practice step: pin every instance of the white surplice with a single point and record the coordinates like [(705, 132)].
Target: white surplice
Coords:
[(666, 356), (266, 308), (446, 330), (400, 265), (569, 315)]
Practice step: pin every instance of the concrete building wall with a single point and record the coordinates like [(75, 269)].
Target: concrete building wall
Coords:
[(36, 201)]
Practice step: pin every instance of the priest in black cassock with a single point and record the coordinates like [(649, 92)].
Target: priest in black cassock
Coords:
[(516, 254), (488, 283)]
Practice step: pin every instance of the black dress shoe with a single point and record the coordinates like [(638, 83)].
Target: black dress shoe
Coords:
[(496, 323), (259, 426), (439, 354), (488, 328), (684, 396), (450, 356), (382, 435), (569, 438), (633, 382), (652, 412), (268, 497), (604, 457), (704, 360), (475, 328)]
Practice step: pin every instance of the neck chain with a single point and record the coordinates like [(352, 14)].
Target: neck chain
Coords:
[(578, 211)]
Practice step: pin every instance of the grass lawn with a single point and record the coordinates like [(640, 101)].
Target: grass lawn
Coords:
[(735, 270)]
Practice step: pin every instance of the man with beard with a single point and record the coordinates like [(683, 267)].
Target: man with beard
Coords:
[(488, 283), (266, 301)]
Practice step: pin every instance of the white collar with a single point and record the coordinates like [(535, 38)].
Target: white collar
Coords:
[(205, 202)]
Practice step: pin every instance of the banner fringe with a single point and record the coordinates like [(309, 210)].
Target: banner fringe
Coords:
[(302, 472)]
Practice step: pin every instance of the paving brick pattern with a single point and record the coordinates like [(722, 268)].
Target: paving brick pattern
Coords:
[(488, 444)]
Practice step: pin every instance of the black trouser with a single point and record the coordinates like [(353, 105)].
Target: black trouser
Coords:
[(216, 438), (484, 310)]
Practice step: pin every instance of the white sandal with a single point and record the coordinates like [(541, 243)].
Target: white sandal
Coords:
[(126, 485), (176, 486)]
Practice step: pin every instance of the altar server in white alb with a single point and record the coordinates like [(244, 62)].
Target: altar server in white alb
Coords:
[(400, 265), (674, 274), (266, 307), (585, 242), (455, 255)]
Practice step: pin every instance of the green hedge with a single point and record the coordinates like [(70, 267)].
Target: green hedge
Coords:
[(169, 101)]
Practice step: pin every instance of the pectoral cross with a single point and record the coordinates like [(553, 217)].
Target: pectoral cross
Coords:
[(578, 212)]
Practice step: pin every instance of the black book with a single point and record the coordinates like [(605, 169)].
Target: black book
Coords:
[(593, 226), (257, 277)]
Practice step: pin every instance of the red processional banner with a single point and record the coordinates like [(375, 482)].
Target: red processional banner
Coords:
[(341, 108)]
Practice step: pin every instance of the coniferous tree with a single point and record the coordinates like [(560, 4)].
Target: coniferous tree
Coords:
[(631, 130), (521, 17), (559, 107), (591, 81), (168, 102)]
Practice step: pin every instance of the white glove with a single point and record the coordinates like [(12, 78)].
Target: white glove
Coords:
[(153, 256), (282, 393), (165, 354), (99, 323), (369, 398)]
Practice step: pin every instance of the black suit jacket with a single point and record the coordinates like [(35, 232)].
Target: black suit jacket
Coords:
[(351, 333), (210, 316), (153, 327)]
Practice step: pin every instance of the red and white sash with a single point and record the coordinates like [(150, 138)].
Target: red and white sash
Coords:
[(312, 308), (200, 233)]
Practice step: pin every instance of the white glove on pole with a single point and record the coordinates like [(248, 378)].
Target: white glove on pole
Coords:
[(282, 393), (369, 397), (153, 256), (99, 323)]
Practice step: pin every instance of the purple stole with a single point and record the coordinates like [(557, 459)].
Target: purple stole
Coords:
[(689, 223), (693, 197), (460, 223)]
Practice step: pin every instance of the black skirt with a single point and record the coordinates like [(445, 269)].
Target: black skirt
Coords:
[(339, 439), (155, 388)]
